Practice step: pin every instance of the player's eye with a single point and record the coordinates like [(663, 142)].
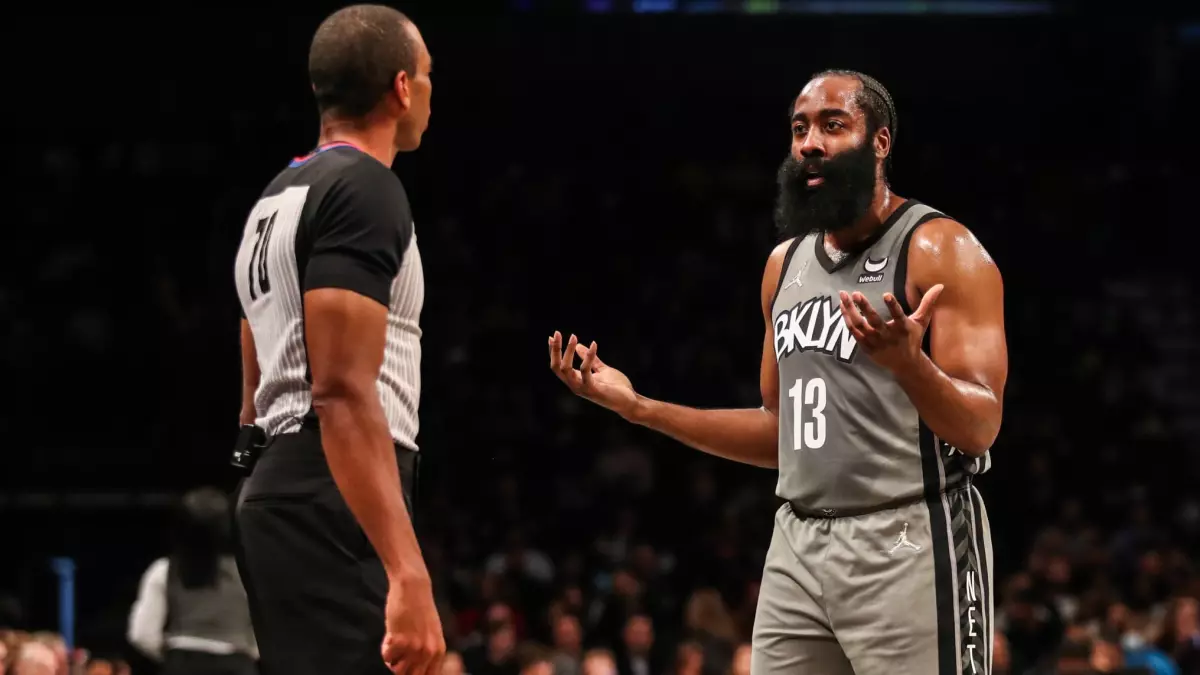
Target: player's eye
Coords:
[(834, 125), (798, 130)]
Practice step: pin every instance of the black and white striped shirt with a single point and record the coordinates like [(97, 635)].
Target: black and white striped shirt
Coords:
[(336, 218)]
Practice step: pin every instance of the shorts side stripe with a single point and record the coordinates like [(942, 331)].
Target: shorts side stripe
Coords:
[(980, 544), (972, 622), (943, 572)]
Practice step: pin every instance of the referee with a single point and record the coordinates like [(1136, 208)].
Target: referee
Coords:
[(331, 289)]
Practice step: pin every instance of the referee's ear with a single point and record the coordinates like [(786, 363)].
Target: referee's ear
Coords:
[(402, 91)]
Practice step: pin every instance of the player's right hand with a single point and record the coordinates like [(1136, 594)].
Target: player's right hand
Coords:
[(593, 380), (413, 643)]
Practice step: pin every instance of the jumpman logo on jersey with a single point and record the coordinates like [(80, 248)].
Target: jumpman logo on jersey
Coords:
[(903, 542), (796, 279)]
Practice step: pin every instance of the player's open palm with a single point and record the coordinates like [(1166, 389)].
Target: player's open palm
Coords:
[(892, 343), (593, 380), (413, 643)]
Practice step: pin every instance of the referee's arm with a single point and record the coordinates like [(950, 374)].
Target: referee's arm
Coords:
[(363, 226), (250, 375)]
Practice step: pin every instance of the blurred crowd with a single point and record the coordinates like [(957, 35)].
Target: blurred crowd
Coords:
[(562, 542), (46, 653)]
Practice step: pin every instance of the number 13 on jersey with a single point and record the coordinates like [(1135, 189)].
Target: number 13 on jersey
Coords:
[(808, 413)]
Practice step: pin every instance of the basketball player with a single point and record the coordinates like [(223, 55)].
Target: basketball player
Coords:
[(883, 370), (331, 285)]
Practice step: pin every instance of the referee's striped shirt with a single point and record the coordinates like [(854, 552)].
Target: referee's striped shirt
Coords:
[(336, 218)]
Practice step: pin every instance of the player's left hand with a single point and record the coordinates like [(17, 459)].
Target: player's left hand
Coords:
[(892, 344)]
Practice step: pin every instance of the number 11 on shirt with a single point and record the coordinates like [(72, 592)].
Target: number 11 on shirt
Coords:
[(808, 396)]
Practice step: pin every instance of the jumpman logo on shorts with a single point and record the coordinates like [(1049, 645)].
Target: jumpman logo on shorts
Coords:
[(903, 542)]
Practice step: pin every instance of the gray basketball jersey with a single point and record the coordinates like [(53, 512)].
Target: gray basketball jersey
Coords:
[(849, 437)]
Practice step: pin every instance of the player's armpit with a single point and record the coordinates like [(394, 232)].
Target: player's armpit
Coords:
[(345, 334), (250, 375), (966, 336)]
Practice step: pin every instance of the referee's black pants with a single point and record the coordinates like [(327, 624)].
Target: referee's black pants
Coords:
[(317, 590)]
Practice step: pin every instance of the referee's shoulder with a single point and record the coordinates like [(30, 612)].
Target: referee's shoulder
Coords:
[(362, 170), (353, 181)]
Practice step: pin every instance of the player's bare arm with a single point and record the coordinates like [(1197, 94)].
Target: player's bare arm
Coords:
[(958, 389), (345, 334), (746, 435), (250, 375)]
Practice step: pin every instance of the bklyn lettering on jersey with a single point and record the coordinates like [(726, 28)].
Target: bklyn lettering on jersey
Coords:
[(814, 325)]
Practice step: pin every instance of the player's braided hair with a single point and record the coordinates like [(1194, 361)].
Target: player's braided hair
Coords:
[(875, 101), (355, 56)]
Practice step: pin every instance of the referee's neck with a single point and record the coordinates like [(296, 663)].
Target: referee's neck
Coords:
[(376, 140)]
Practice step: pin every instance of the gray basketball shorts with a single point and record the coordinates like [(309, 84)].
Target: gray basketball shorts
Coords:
[(905, 591)]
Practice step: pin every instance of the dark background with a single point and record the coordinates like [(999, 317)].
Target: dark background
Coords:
[(610, 175)]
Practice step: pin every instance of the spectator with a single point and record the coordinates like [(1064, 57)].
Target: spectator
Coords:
[(1181, 635), (637, 654), (741, 660), (689, 659), (610, 611), (100, 667), (1075, 657), (191, 611), (599, 662), (534, 660), (1138, 650), (58, 647), (568, 644), (496, 655), (1001, 660), (36, 658), (710, 625)]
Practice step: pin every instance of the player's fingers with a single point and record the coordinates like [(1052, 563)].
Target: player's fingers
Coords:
[(425, 656), (850, 314), (555, 356), (417, 661), (868, 312), (862, 331), (393, 654), (429, 661), (896, 311), (424, 667), (436, 652), (416, 658), (925, 310), (589, 360), (594, 350), (568, 356)]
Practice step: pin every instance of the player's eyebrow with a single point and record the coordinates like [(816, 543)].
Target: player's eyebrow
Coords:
[(825, 112)]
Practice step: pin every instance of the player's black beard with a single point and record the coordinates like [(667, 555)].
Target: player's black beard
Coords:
[(837, 203)]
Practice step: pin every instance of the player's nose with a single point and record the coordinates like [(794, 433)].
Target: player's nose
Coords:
[(811, 146)]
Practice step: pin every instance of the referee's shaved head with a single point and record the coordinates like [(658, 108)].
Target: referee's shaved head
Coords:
[(355, 57)]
